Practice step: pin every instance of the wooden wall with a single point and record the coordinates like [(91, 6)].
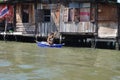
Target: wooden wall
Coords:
[(76, 26), (29, 27), (107, 30), (46, 27), (107, 21)]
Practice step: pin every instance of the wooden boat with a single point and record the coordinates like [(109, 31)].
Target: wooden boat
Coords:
[(46, 45)]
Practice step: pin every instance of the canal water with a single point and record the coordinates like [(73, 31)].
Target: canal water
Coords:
[(26, 61)]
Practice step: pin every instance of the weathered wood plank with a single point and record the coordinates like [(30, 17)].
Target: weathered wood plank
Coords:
[(107, 30)]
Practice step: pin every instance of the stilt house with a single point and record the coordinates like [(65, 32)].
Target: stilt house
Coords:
[(72, 19)]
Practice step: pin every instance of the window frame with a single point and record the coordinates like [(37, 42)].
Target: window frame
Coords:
[(71, 6)]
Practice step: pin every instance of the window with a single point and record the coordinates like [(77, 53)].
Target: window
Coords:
[(73, 14), (43, 15), (25, 13), (84, 12), (77, 12), (46, 15)]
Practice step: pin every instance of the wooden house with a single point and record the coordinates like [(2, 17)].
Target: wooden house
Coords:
[(25, 18), (22, 18), (95, 19), (77, 20), (34, 17), (47, 17), (72, 19), (108, 22)]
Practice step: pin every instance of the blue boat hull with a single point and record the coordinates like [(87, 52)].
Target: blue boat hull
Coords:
[(45, 45)]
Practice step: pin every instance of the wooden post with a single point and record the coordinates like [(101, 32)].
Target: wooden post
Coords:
[(117, 38), (5, 31), (36, 25), (60, 38), (118, 25), (14, 21), (93, 41), (60, 35)]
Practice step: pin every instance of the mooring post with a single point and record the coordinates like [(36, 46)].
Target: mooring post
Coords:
[(117, 44), (93, 43), (36, 20), (118, 28), (5, 31), (60, 41)]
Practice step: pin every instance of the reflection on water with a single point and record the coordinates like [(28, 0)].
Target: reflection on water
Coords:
[(26, 61)]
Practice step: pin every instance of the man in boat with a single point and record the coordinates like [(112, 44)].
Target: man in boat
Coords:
[(50, 39)]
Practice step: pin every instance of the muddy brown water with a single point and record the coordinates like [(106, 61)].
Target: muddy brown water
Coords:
[(26, 61)]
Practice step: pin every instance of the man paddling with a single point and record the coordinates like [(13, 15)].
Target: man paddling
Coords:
[(50, 39)]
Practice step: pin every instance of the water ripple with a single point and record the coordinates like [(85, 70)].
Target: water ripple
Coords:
[(4, 63), (25, 66), (116, 78)]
